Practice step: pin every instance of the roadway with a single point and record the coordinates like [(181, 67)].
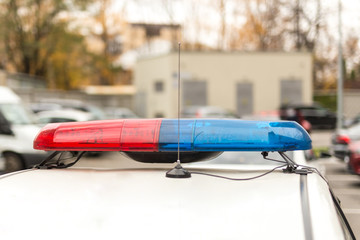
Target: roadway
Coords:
[(347, 188)]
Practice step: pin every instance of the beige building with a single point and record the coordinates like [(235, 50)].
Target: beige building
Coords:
[(243, 82)]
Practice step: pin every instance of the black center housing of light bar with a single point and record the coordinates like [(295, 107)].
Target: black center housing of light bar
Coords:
[(171, 157)]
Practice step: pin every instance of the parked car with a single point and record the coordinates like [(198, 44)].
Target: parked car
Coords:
[(352, 121), (63, 115), (56, 104), (202, 201), (263, 115), (118, 113), (316, 115), (43, 106), (17, 132), (341, 139), (206, 112), (353, 157)]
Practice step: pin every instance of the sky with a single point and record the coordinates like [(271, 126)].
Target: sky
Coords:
[(350, 16)]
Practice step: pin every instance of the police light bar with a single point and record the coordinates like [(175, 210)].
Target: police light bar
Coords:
[(161, 135)]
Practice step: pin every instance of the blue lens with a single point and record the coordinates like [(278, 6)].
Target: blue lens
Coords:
[(232, 135), (168, 136)]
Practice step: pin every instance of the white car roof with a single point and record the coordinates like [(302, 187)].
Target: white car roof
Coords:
[(144, 204)]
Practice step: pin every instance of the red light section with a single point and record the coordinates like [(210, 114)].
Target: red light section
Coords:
[(107, 135), (141, 135), (81, 136), (44, 140)]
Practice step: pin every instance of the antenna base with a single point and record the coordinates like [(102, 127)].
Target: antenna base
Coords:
[(178, 172)]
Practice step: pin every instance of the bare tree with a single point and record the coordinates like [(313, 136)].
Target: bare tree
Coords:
[(222, 29), (307, 17), (263, 29)]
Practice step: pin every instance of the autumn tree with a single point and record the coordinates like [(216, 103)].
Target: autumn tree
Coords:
[(32, 31), (352, 62), (107, 29), (69, 66), (263, 28)]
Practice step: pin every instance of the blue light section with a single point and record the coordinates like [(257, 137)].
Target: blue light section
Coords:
[(232, 135), (168, 137)]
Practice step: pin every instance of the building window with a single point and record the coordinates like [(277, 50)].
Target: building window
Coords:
[(159, 86)]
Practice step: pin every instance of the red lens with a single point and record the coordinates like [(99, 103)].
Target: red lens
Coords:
[(107, 135), (141, 135), (81, 136)]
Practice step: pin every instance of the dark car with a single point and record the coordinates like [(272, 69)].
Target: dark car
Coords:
[(319, 117)]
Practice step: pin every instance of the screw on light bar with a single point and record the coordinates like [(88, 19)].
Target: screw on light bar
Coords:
[(161, 135)]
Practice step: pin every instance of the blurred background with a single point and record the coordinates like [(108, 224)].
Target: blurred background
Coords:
[(245, 56)]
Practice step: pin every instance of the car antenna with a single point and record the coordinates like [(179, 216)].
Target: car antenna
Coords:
[(178, 171)]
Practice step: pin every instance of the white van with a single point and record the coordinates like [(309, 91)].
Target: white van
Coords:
[(17, 132)]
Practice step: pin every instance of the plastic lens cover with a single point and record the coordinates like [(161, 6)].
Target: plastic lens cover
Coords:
[(161, 135)]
